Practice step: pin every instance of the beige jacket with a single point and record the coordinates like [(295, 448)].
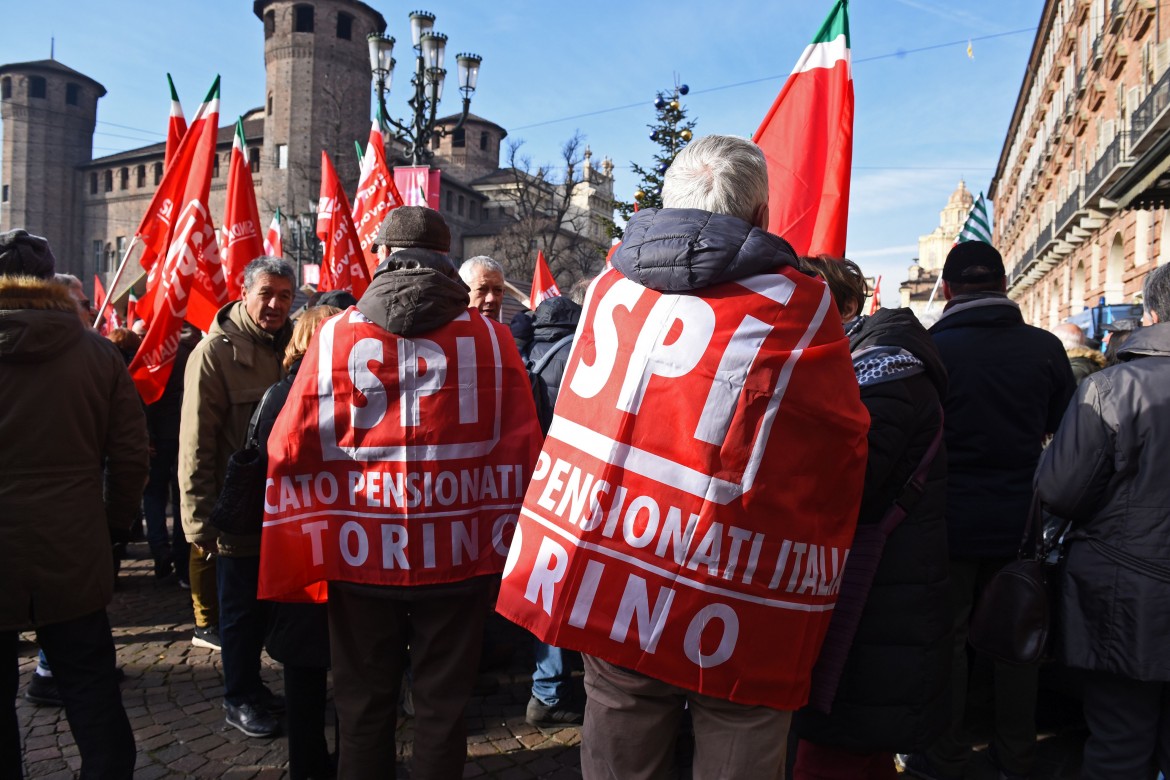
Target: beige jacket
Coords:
[(226, 377), (73, 457)]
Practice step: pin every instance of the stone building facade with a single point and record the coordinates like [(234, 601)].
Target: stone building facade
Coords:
[(1082, 186), (915, 292), (316, 61)]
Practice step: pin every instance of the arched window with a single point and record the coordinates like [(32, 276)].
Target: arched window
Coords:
[(5, 88), (269, 24), (93, 184), (269, 104), (124, 179), (73, 94), (344, 26), (459, 138), (1114, 270), (140, 175), (158, 173), (303, 18), (483, 140), (36, 87), (109, 181)]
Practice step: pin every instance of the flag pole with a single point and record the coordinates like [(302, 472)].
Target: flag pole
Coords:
[(117, 277), (933, 292)]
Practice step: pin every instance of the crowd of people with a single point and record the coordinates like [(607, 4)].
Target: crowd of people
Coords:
[(742, 501)]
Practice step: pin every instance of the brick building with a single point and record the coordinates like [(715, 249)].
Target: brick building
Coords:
[(316, 61), (1081, 188)]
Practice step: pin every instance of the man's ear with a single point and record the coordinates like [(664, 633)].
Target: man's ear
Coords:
[(946, 288), (760, 218)]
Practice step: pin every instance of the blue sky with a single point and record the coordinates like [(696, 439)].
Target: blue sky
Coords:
[(926, 114)]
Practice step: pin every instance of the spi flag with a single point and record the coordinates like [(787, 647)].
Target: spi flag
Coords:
[(807, 138), (189, 280), (424, 479), (342, 264), (692, 509), (241, 222), (544, 285), (978, 224), (376, 195), (154, 232), (176, 127), (273, 247)]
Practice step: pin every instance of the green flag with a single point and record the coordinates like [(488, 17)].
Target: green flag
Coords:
[(978, 224)]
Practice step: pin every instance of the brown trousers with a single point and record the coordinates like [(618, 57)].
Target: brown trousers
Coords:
[(204, 591), (631, 723), (371, 636)]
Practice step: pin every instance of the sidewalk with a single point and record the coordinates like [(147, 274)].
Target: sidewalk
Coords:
[(172, 696)]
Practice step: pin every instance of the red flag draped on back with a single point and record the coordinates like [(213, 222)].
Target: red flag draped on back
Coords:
[(241, 222), (693, 506), (273, 247), (189, 280), (342, 265), (376, 195), (807, 138), (176, 127), (425, 479), (544, 284)]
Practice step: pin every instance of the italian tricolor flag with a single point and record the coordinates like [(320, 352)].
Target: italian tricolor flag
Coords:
[(807, 138)]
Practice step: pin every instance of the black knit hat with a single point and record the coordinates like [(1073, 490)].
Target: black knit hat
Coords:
[(973, 262), (414, 226), (23, 254)]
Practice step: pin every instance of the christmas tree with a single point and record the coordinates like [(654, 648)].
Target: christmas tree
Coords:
[(671, 132)]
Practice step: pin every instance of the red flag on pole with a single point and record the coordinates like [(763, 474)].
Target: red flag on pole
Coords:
[(241, 222), (342, 264), (99, 294), (176, 127), (875, 303), (273, 247), (189, 280), (807, 138), (376, 195), (544, 284), (131, 310)]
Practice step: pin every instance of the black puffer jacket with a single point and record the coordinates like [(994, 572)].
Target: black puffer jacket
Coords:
[(1009, 384), (1106, 472), (555, 318), (893, 694)]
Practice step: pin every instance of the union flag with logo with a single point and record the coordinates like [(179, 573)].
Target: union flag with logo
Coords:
[(397, 460), (692, 509)]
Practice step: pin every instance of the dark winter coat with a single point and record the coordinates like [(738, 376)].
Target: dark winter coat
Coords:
[(1009, 384), (298, 634), (1106, 472), (73, 457), (555, 318), (163, 416), (1085, 361), (894, 690)]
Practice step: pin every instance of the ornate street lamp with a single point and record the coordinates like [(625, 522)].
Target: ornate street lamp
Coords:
[(429, 74)]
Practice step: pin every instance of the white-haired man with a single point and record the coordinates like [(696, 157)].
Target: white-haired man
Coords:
[(689, 515), (485, 277)]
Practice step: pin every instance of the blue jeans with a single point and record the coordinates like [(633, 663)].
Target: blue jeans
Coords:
[(551, 680), (243, 624), (163, 485)]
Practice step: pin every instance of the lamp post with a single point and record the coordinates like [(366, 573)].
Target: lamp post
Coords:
[(304, 239), (427, 80)]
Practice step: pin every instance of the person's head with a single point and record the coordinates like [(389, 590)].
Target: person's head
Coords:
[(23, 254), (339, 299), (1156, 296), (139, 327), (1070, 335), (722, 174), (485, 277), (845, 280), (268, 292), (579, 289), (84, 306), (303, 331), (973, 267), (412, 227), (125, 340)]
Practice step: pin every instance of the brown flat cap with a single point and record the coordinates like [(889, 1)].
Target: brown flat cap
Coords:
[(414, 226)]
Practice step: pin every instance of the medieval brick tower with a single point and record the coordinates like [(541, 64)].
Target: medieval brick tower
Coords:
[(317, 95), (48, 111)]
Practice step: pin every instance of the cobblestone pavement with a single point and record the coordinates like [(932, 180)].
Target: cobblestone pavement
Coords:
[(172, 696)]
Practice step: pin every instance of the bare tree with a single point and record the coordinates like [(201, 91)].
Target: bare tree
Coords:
[(542, 215)]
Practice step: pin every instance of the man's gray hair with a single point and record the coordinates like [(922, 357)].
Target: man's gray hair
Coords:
[(268, 266), (67, 280), (479, 261), (1156, 293), (718, 173), (1070, 335)]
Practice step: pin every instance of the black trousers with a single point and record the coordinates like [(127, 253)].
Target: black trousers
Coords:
[(243, 622), (304, 693), (81, 654), (1129, 728)]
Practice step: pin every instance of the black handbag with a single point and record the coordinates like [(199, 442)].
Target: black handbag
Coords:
[(239, 509), (1013, 619)]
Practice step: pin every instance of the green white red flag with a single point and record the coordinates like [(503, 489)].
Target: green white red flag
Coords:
[(131, 310), (342, 265), (273, 247), (241, 222), (189, 282), (109, 314), (807, 138), (376, 195), (544, 284), (176, 127)]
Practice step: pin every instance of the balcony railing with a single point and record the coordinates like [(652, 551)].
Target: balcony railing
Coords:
[(1067, 210), (1151, 108), (1044, 240), (1025, 261), (1111, 158)]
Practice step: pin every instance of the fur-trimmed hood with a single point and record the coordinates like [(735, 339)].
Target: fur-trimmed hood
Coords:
[(38, 319)]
